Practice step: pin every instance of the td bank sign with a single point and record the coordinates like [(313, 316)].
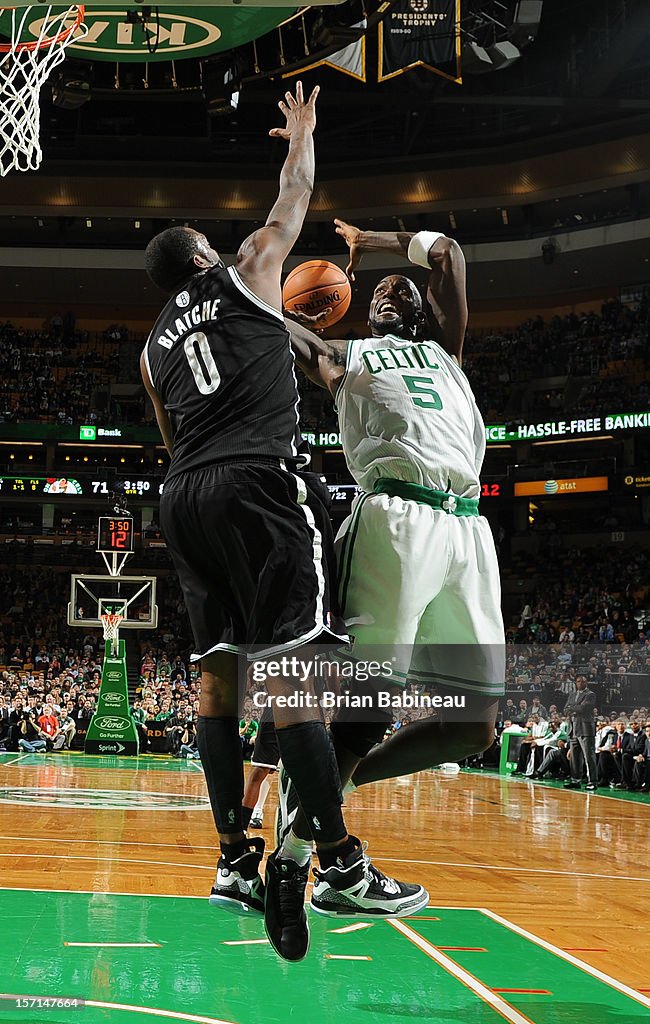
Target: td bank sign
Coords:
[(172, 33)]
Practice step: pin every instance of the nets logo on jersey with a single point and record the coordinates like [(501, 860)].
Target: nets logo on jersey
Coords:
[(183, 299)]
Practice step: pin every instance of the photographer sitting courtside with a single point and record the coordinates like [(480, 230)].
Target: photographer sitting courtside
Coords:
[(32, 739)]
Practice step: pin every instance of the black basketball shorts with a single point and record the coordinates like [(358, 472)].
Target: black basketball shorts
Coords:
[(266, 753), (252, 545)]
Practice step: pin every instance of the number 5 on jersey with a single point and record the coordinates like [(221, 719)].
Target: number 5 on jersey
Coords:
[(202, 364), (423, 394)]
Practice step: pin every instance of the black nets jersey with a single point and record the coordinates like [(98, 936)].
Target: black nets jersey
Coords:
[(220, 359)]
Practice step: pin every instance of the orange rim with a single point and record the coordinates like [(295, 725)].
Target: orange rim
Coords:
[(60, 37)]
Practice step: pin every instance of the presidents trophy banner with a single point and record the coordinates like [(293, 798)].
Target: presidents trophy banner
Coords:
[(420, 33)]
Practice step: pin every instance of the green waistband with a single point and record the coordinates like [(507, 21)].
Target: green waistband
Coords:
[(449, 503)]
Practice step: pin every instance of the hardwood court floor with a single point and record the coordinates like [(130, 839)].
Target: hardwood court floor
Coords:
[(562, 879)]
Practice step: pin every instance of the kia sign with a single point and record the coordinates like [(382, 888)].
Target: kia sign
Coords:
[(169, 34)]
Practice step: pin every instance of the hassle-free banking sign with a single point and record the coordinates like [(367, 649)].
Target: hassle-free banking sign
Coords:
[(497, 433), (568, 428), (501, 433), (174, 33)]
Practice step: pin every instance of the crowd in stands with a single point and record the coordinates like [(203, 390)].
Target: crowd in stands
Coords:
[(599, 347), (49, 375), (586, 596)]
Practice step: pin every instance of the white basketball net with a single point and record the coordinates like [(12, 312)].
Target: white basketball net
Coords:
[(111, 626), (23, 69)]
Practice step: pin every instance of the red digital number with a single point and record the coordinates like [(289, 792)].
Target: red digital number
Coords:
[(491, 490), (119, 531)]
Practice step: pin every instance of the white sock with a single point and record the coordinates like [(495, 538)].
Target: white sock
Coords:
[(298, 850), (265, 785)]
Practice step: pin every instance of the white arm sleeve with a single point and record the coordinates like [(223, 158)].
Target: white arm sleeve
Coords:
[(418, 250)]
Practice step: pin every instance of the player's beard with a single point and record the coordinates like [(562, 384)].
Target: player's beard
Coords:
[(397, 326)]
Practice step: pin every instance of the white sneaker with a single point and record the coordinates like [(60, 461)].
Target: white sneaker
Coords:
[(238, 886), (354, 887)]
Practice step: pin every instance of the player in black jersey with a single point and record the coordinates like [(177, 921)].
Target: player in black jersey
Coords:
[(242, 528)]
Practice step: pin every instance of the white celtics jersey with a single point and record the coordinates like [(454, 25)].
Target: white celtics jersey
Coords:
[(407, 411)]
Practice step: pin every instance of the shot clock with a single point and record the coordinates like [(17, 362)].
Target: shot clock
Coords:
[(115, 535)]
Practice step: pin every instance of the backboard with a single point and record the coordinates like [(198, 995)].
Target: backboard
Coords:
[(134, 597)]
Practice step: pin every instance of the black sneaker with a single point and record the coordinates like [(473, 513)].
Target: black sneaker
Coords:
[(287, 807), (238, 886), (356, 888), (285, 920), (572, 784), (591, 786), (255, 823)]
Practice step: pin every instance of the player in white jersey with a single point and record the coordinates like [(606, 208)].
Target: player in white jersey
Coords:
[(418, 570)]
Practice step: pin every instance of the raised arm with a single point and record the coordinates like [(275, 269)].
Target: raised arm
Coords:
[(446, 289), (261, 255)]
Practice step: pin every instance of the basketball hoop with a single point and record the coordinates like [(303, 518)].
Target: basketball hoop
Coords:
[(24, 67), (111, 627)]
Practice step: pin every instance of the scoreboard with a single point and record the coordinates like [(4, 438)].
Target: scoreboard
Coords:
[(80, 486), (26, 485), (150, 488), (130, 487), (115, 534)]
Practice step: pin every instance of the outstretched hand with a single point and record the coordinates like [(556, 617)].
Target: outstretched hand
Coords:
[(351, 236), (314, 323), (297, 112)]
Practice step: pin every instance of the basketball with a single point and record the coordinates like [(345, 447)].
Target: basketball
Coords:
[(317, 285)]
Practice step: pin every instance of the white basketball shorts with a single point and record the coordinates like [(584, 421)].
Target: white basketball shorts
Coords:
[(422, 587)]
